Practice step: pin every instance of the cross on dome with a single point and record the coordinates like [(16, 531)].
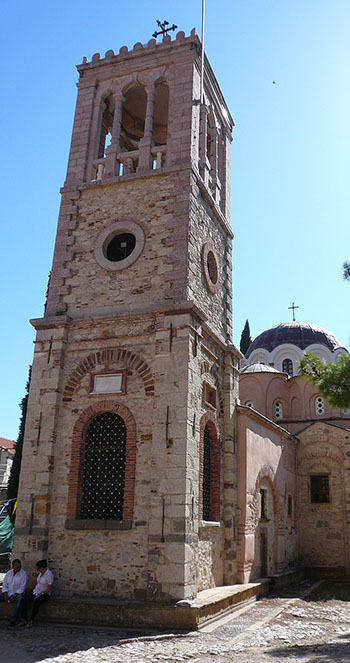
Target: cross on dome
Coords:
[(293, 307)]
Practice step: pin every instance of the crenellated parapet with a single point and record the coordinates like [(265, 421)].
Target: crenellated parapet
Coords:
[(150, 46)]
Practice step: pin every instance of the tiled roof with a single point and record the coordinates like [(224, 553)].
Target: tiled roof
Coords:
[(259, 368), (7, 444)]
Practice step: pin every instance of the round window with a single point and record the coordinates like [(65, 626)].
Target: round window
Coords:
[(210, 265), (120, 247)]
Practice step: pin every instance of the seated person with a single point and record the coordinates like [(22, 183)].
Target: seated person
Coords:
[(40, 593), (13, 588)]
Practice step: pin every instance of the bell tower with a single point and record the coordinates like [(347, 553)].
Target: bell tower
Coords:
[(128, 481)]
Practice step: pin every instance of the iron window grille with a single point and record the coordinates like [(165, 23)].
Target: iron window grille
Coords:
[(104, 468), (206, 475)]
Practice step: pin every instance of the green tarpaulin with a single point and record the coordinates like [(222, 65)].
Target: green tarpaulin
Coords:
[(6, 535)]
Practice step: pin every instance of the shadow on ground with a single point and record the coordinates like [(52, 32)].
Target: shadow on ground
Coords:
[(330, 591), (325, 653), (23, 645)]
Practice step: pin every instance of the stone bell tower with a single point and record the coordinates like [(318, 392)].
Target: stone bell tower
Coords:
[(128, 481)]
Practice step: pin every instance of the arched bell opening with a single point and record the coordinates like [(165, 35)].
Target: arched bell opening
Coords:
[(160, 116), (133, 118), (108, 108)]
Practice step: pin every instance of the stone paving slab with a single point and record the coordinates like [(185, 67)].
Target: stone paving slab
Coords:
[(273, 630)]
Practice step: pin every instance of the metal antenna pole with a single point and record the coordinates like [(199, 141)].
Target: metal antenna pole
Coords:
[(202, 39)]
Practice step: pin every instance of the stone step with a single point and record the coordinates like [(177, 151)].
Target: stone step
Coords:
[(183, 616)]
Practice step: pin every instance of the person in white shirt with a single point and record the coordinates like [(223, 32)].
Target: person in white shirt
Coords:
[(13, 588), (40, 593)]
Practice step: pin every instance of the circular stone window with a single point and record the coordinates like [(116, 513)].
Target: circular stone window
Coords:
[(210, 266), (119, 245)]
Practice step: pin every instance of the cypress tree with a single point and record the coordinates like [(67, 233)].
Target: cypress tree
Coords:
[(12, 489), (246, 338), (47, 292)]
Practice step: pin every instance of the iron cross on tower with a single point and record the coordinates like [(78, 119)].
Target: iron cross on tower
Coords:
[(293, 307), (163, 29)]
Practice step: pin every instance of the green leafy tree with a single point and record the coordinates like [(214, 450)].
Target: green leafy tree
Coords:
[(331, 379), (246, 338), (12, 489)]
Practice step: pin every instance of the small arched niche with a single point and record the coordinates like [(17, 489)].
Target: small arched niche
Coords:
[(133, 118), (160, 116), (108, 106)]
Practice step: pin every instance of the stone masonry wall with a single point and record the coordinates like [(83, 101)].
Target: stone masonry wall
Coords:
[(322, 527), (153, 559), (203, 225), (206, 367), (158, 275)]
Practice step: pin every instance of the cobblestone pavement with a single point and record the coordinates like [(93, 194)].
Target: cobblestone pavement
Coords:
[(277, 629)]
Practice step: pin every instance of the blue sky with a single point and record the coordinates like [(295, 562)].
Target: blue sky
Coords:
[(290, 155)]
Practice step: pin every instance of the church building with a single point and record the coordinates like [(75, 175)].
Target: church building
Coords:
[(146, 476), (293, 469)]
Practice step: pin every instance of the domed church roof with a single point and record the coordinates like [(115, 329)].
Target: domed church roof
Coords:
[(301, 334), (259, 368)]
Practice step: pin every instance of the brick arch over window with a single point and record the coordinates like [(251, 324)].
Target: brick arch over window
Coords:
[(125, 357), (208, 420), (77, 458), (211, 370)]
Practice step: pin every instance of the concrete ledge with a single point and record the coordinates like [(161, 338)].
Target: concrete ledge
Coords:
[(212, 603), (183, 616)]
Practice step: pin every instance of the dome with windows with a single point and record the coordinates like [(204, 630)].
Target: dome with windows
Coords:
[(281, 347), (301, 334)]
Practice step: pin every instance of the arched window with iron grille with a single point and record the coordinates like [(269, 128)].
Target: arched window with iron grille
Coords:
[(104, 468), (209, 459), (206, 474)]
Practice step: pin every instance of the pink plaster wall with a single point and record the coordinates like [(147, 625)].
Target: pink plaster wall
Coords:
[(265, 454), (296, 394)]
